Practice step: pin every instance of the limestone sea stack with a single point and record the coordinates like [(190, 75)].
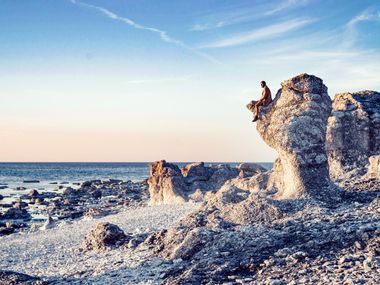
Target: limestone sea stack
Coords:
[(353, 135), (294, 124)]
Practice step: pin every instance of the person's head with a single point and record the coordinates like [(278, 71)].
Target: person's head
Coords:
[(263, 84)]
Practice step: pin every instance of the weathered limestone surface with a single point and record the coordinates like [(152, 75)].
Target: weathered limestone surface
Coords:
[(170, 184), (374, 167), (353, 133), (104, 236), (166, 183), (295, 125)]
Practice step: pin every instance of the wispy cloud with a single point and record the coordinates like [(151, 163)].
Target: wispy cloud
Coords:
[(285, 5), (352, 31), (260, 34), (162, 34), (366, 15), (159, 80), (246, 14)]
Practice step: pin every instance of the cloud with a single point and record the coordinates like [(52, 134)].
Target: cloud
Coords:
[(162, 34), (364, 16), (352, 31), (260, 34), (246, 14), (285, 5)]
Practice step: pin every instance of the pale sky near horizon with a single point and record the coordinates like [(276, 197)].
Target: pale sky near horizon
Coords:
[(144, 80)]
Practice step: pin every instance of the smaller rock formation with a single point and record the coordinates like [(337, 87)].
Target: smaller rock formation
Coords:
[(166, 183), (353, 133), (104, 236), (374, 167), (49, 224), (170, 184)]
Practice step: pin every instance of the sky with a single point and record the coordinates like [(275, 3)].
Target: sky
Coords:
[(144, 80)]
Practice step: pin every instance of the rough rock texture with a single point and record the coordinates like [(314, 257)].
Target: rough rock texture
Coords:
[(104, 236), (374, 167), (170, 184), (295, 125), (166, 183), (353, 133), (16, 214), (13, 278), (338, 245)]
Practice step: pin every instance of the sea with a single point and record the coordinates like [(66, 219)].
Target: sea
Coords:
[(51, 175)]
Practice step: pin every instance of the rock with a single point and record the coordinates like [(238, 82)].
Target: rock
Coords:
[(353, 133), (1, 197), (86, 184), (95, 213), (33, 193), (166, 183), (16, 214), (222, 173), (295, 125), (116, 181), (252, 210), (97, 194), (20, 188), (11, 277), (31, 181), (49, 224), (374, 167), (196, 172), (104, 236), (69, 191), (251, 167)]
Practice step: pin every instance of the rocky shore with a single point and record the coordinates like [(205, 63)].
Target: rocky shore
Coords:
[(89, 199), (314, 218)]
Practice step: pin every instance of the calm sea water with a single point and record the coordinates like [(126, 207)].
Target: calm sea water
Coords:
[(14, 174)]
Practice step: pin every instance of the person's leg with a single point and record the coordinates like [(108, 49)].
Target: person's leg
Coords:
[(257, 110)]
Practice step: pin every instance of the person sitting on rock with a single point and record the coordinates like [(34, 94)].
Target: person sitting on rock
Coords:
[(266, 99)]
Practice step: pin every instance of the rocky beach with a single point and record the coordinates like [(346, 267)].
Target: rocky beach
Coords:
[(313, 218)]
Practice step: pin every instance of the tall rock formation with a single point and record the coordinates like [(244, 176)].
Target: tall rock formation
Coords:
[(353, 133), (294, 124)]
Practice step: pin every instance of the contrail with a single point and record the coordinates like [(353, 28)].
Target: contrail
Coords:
[(162, 34)]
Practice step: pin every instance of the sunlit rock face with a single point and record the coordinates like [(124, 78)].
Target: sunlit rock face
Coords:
[(294, 124), (353, 134), (171, 184), (166, 183)]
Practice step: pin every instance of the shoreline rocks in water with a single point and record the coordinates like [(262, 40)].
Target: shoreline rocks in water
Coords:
[(107, 197)]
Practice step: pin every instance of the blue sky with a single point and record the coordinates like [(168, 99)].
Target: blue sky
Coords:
[(128, 80)]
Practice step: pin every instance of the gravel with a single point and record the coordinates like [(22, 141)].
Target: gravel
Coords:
[(55, 254)]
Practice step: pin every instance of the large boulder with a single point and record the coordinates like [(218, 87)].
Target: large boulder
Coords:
[(294, 124), (353, 133), (104, 236)]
